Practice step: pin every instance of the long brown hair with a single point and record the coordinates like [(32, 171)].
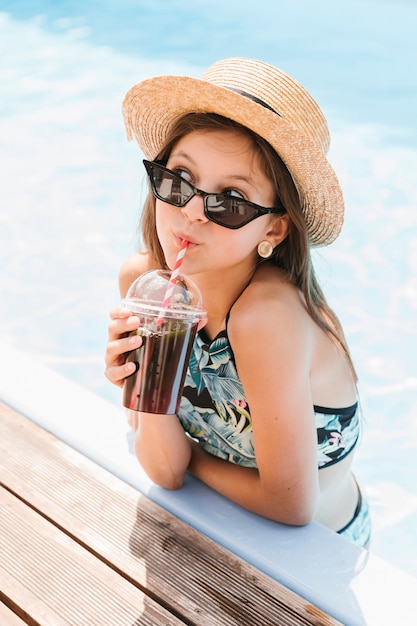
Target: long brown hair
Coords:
[(293, 254)]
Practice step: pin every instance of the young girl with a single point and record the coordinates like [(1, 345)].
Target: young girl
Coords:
[(270, 397)]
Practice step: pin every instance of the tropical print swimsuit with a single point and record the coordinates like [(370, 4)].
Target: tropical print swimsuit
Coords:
[(214, 411)]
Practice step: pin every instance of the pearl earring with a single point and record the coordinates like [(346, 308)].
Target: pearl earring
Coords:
[(265, 249)]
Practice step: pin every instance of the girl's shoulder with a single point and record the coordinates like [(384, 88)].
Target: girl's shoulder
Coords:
[(270, 291), (136, 265), (270, 301)]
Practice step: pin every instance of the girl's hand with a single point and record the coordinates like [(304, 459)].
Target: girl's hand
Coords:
[(119, 342)]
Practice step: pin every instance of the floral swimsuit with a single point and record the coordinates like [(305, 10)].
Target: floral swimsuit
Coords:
[(214, 411)]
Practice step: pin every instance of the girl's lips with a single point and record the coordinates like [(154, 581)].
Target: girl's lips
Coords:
[(182, 237)]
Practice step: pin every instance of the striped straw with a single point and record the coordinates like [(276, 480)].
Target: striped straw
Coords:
[(172, 282)]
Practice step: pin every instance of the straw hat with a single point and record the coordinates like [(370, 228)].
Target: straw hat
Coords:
[(264, 99)]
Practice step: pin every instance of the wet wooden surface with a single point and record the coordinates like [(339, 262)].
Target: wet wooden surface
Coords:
[(79, 546)]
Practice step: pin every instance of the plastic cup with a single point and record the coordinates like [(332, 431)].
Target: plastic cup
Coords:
[(168, 334)]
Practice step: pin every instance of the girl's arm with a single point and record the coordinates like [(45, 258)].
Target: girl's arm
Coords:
[(163, 449), (161, 445), (272, 344)]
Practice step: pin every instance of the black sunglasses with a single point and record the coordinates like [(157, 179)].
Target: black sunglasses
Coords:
[(228, 211)]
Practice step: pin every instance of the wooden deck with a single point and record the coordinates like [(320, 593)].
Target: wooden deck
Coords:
[(80, 546)]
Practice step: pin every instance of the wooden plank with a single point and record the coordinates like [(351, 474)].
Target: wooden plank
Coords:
[(194, 576), (54, 581), (9, 617), (25, 603)]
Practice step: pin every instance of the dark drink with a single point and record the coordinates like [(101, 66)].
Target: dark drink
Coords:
[(169, 313), (161, 365)]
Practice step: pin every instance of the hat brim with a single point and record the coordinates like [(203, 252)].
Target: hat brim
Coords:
[(150, 108)]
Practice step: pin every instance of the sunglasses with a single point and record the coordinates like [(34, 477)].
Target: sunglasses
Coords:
[(228, 211)]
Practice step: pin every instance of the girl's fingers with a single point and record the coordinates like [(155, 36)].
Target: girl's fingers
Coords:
[(122, 324), (117, 373), (119, 311), (122, 340), (117, 348), (116, 369)]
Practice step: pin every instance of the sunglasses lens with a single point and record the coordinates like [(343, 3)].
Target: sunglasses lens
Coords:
[(171, 188), (229, 211)]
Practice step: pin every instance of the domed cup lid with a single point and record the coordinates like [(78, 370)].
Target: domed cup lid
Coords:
[(147, 294)]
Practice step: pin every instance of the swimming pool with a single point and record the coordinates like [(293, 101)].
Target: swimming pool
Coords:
[(71, 191)]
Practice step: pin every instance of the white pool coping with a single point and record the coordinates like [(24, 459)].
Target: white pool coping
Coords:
[(353, 585)]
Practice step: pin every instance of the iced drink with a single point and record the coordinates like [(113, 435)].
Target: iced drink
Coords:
[(167, 338)]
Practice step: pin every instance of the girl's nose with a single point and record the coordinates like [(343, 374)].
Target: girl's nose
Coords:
[(194, 209)]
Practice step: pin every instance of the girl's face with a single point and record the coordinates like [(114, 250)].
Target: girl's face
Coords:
[(220, 161)]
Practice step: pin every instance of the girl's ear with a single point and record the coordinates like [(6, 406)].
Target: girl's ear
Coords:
[(278, 229)]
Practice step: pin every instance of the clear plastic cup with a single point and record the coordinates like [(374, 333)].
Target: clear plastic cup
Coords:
[(168, 334)]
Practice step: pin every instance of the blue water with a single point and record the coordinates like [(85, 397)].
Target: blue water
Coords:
[(71, 188)]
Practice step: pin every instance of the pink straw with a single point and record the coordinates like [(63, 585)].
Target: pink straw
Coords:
[(172, 282)]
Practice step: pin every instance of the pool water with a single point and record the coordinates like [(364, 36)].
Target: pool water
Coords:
[(72, 188)]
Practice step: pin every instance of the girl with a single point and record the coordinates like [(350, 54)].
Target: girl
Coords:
[(270, 397)]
